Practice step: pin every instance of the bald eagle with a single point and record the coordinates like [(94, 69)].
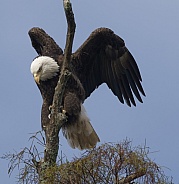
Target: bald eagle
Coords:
[(103, 58)]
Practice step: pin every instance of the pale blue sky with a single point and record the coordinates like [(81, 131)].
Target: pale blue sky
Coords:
[(151, 32)]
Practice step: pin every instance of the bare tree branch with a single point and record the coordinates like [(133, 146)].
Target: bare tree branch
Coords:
[(70, 32), (58, 119)]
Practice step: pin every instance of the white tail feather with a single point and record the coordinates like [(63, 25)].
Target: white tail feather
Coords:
[(81, 134)]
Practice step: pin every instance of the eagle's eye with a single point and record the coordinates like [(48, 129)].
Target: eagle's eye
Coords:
[(39, 70)]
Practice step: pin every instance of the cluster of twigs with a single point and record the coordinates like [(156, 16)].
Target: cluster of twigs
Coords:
[(108, 164), (25, 160), (113, 164)]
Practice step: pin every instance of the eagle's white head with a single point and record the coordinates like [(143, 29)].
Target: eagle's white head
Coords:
[(44, 68)]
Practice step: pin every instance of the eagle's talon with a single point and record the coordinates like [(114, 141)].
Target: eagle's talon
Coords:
[(64, 111), (50, 108), (49, 116)]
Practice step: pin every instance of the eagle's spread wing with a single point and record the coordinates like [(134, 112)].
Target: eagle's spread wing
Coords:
[(43, 43), (103, 58)]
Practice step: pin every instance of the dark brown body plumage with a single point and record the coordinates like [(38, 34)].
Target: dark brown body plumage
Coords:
[(73, 97)]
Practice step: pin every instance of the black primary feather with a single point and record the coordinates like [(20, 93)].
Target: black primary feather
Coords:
[(104, 58)]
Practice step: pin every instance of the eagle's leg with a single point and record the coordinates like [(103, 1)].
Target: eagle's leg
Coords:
[(72, 105), (78, 129)]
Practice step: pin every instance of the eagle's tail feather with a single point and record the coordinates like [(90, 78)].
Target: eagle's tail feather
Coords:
[(81, 134)]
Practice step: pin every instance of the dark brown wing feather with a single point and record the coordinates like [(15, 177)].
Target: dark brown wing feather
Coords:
[(46, 46), (43, 43), (103, 58)]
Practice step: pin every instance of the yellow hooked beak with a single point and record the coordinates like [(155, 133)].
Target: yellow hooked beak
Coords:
[(37, 78)]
